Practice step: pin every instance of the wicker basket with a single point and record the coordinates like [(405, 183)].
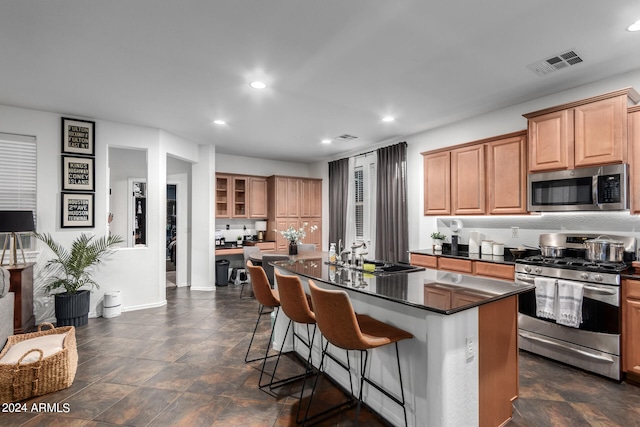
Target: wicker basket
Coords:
[(48, 374)]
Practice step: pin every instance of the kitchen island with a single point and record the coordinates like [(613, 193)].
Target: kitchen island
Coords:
[(461, 366)]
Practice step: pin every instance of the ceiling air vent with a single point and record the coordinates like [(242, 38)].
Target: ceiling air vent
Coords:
[(555, 63), (346, 137)]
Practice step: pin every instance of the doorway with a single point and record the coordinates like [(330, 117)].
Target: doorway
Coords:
[(171, 235)]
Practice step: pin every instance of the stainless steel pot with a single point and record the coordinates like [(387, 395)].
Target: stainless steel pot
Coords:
[(552, 251), (604, 248)]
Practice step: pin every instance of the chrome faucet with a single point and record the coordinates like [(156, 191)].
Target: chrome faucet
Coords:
[(355, 246)]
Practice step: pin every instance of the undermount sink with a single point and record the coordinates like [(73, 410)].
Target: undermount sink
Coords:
[(382, 267)]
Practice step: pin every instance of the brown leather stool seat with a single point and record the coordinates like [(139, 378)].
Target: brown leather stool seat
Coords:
[(342, 327), (297, 305)]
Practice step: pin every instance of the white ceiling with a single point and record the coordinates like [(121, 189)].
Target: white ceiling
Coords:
[(333, 67)]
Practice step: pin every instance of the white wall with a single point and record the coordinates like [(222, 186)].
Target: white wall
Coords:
[(138, 273), (496, 123), (487, 125), (226, 163)]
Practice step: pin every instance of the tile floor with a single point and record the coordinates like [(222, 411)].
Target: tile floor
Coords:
[(183, 364)]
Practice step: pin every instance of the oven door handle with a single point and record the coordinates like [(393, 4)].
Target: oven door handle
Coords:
[(599, 290), (525, 279), (526, 335)]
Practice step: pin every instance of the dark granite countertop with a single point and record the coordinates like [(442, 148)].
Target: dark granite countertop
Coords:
[(463, 253), (413, 289)]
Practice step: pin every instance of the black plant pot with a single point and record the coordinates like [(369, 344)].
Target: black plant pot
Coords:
[(72, 309)]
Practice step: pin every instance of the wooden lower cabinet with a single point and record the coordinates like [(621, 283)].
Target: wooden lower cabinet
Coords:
[(496, 271), (454, 264), (497, 360), (479, 268), (314, 237), (631, 327), (427, 261)]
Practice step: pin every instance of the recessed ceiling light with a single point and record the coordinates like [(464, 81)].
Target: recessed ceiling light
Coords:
[(258, 85), (326, 141), (388, 119), (634, 27), (219, 122)]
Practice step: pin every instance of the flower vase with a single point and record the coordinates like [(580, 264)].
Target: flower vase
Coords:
[(293, 248), (437, 245)]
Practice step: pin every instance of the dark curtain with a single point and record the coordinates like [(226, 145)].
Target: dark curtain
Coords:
[(392, 226), (338, 198)]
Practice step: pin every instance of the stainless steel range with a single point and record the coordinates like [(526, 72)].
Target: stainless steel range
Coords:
[(595, 344)]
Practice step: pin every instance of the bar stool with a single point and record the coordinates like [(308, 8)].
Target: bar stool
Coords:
[(268, 299), (343, 328), (296, 304), (247, 251)]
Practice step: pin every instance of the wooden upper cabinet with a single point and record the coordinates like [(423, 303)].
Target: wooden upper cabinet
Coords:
[(223, 196), (287, 197), (258, 196), (589, 132), (293, 197), (468, 180), (634, 158), (311, 198), (437, 183), (279, 202), (507, 175), (551, 141), (240, 197), (601, 132)]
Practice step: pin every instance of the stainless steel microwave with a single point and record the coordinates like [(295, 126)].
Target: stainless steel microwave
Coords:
[(602, 188)]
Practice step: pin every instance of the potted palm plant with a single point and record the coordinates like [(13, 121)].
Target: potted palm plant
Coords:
[(69, 274)]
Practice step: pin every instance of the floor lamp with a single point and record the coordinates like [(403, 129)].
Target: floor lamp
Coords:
[(13, 223)]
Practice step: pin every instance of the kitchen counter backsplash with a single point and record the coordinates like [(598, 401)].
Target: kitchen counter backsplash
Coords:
[(463, 253)]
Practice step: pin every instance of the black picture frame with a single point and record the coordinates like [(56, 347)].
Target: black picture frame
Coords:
[(78, 173), (78, 136), (77, 210)]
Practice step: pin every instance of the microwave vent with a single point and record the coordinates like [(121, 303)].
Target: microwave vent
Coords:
[(555, 63)]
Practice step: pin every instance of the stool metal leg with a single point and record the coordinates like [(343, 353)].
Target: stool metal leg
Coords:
[(327, 413), (363, 379), (261, 313), (274, 384)]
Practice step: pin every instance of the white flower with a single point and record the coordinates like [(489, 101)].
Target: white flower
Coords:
[(294, 236)]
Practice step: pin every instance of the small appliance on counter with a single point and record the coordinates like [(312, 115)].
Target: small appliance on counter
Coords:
[(261, 227), (474, 242), (219, 238)]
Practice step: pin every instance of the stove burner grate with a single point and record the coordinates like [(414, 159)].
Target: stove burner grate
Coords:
[(576, 264)]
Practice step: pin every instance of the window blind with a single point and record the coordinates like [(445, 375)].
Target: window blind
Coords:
[(18, 171), (359, 205)]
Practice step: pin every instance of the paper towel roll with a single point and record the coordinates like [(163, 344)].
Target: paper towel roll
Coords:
[(474, 242)]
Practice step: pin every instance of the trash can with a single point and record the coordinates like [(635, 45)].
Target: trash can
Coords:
[(222, 272), (112, 304)]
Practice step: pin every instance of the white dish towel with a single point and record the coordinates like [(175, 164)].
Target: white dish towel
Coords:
[(570, 303), (545, 297)]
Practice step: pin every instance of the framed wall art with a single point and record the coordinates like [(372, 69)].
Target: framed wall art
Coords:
[(78, 137), (77, 173), (77, 210)]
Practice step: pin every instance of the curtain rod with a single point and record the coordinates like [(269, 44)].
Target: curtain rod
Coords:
[(373, 151)]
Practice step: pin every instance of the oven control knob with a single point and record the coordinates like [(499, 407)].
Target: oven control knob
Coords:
[(538, 270), (527, 269), (597, 278), (584, 276)]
